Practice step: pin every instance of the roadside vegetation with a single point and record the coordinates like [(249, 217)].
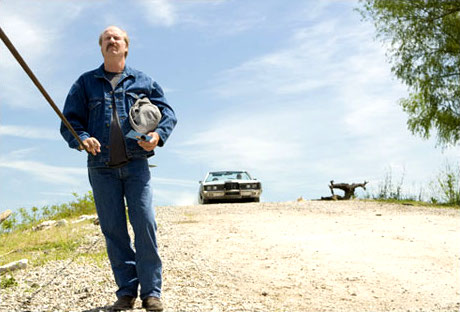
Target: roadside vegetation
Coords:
[(443, 190), (26, 219), (18, 240)]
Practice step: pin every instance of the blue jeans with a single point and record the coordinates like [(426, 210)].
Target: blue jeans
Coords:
[(130, 268)]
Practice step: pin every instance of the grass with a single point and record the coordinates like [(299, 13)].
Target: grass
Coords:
[(39, 247), (411, 202), (18, 240), (25, 219), (96, 256), (7, 281), (442, 192)]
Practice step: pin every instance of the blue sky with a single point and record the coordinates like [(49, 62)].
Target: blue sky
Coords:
[(296, 92)]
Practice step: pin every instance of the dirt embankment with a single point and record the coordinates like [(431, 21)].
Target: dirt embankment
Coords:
[(293, 256)]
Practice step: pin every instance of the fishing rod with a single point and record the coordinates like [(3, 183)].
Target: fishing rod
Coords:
[(37, 83)]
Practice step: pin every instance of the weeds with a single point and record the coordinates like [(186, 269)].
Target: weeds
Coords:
[(444, 190), (24, 219), (388, 190), (18, 240), (39, 247), (8, 281), (447, 185)]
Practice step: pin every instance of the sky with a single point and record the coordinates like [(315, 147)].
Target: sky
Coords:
[(296, 92)]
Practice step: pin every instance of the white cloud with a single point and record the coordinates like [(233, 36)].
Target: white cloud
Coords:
[(176, 182), (160, 12), (29, 39), (34, 30), (46, 173), (176, 197), (314, 57), (240, 141), (28, 132)]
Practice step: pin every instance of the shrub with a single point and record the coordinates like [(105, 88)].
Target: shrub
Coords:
[(447, 186), (26, 218)]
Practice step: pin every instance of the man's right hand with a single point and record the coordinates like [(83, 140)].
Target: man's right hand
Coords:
[(92, 145)]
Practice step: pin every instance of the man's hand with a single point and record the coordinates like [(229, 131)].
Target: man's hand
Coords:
[(150, 145), (92, 145)]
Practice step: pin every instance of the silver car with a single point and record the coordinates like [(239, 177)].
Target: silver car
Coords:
[(227, 186)]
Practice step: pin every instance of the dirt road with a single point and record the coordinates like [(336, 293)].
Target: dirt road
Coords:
[(312, 256), (268, 257)]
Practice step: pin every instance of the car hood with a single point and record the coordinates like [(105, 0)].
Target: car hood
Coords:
[(231, 181)]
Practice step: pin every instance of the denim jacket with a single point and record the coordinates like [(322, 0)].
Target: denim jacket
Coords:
[(88, 108)]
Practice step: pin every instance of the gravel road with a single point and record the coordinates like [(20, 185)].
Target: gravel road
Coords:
[(290, 256)]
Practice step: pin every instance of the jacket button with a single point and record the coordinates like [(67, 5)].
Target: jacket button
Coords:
[(107, 124), (110, 106)]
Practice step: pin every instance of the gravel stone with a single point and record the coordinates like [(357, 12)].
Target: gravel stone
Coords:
[(292, 256)]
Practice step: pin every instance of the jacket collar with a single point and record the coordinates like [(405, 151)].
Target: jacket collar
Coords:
[(100, 72)]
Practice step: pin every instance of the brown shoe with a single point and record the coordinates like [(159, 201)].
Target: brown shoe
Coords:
[(123, 303), (152, 304)]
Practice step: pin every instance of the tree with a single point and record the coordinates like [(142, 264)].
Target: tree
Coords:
[(423, 38)]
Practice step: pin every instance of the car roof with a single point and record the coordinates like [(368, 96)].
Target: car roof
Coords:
[(225, 171)]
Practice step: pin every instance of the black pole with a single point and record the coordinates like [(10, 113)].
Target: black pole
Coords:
[(37, 83)]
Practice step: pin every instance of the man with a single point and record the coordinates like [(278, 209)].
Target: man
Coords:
[(97, 107)]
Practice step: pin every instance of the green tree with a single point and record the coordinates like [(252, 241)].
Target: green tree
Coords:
[(423, 39)]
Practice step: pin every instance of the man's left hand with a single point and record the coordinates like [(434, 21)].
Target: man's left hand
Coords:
[(150, 145)]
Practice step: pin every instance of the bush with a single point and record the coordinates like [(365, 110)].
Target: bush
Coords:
[(26, 218), (388, 190), (444, 190), (8, 281), (447, 186)]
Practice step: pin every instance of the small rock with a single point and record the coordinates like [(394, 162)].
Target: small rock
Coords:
[(44, 225), (62, 222), (84, 218), (20, 264)]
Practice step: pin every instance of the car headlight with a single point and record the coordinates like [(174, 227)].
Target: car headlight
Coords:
[(211, 188), (255, 186)]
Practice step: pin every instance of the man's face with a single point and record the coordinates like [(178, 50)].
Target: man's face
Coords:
[(113, 43)]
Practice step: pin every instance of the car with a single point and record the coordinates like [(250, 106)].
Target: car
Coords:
[(222, 186)]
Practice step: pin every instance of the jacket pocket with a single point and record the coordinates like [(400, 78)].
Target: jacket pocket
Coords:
[(96, 117), (132, 97)]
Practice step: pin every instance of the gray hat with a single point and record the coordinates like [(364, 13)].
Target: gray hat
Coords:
[(144, 116)]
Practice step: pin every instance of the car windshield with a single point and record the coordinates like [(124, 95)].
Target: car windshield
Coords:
[(228, 175)]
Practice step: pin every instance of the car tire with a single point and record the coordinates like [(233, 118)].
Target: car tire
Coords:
[(256, 200), (203, 201)]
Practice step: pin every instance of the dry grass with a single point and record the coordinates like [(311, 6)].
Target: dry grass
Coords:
[(42, 246)]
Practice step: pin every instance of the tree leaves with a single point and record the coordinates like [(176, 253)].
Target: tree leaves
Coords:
[(424, 51)]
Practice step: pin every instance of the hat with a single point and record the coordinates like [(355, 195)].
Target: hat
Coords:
[(144, 116)]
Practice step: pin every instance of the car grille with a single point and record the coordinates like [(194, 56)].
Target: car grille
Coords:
[(232, 186)]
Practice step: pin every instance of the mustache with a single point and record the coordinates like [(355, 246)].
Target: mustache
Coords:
[(109, 46)]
